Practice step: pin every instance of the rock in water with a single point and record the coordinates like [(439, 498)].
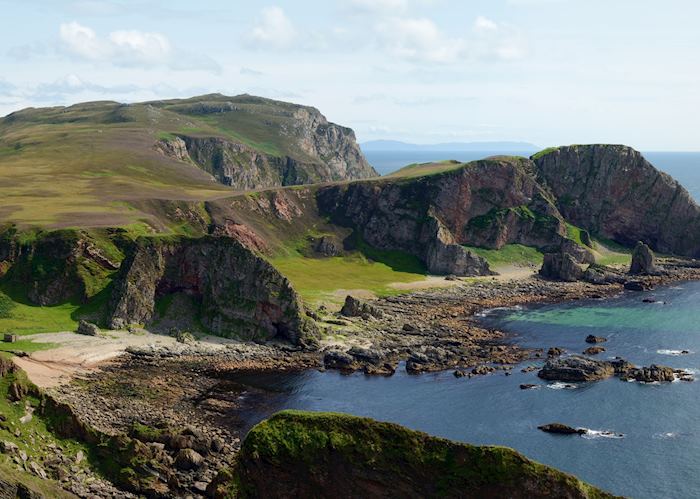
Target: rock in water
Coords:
[(88, 328), (561, 266), (593, 350), (575, 368), (643, 260), (650, 374), (561, 429), (595, 339)]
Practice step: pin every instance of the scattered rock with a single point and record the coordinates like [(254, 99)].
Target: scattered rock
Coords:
[(87, 328), (643, 260), (185, 337), (561, 429), (188, 459), (354, 307), (555, 352), (8, 447), (575, 368), (528, 386), (593, 350), (595, 339), (459, 374), (637, 286)]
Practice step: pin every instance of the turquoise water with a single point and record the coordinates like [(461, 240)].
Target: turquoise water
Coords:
[(660, 453)]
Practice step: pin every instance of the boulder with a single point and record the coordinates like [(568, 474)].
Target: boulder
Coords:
[(575, 368), (561, 267), (184, 337), (354, 307), (593, 350), (561, 429), (327, 246), (555, 352), (188, 459), (87, 328), (335, 359), (595, 339), (643, 260)]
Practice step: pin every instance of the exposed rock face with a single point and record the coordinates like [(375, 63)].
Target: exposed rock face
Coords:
[(55, 266), (301, 146), (235, 292), (643, 260), (347, 456), (487, 203), (613, 191), (561, 266), (575, 368)]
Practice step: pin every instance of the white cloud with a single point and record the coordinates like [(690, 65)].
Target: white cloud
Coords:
[(385, 6), (274, 30), (129, 48), (420, 39), (484, 24)]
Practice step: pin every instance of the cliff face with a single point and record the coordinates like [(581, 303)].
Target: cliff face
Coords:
[(297, 454), (613, 191), (234, 292), (266, 143), (486, 203)]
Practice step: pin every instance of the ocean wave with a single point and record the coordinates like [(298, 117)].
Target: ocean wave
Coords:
[(560, 385), (591, 434), (675, 353), (488, 311), (669, 435)]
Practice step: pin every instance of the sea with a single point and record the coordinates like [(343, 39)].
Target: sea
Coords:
[(643, 439)]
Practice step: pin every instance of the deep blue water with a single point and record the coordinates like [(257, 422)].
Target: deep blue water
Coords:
[(683, 166), (659, 456)]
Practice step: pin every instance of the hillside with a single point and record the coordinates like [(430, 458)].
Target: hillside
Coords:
[(300, 454), (102, 164)]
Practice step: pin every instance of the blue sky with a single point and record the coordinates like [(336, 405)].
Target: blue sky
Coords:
[(545, 71)]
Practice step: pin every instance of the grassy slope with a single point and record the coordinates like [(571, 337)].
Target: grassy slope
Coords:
[(423, 169), (510, 254)]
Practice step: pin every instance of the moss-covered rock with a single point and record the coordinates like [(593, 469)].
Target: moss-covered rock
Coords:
[(302, 454)]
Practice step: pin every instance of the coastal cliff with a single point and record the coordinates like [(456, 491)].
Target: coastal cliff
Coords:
[(225, 286), (287, 144), (612, 191), (300, 454)]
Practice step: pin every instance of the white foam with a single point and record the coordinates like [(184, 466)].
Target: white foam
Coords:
[(591, 434), (669, 435), (675, 353), (489, 311), (559, 385)]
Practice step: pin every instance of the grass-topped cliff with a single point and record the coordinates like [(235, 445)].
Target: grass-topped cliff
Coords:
[(302, 454), (103, 163)]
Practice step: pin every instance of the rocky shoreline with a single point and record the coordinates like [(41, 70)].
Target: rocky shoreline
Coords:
[(188, 386)]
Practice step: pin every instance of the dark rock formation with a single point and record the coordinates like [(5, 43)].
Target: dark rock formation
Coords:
[(575, 368), (324, 455), (327, 246), (354, 307), (611, 190), (561, 266), (643, 260), (650, 374), (486, 203), (593, 350), (234, 292), (595, 339), (638, 286), (561, 429)]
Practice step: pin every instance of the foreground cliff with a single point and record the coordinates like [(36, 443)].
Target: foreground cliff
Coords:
[(214, 280), (613, 192), (299, 454)]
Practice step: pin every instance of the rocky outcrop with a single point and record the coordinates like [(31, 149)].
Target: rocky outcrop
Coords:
[(486, 203), (233, 292), (643, 260), (266, 143), (576, 368), (87, 328), (354, 307), (561, 267), (612, 191), (561, 429), (324, 455), (55, 266)]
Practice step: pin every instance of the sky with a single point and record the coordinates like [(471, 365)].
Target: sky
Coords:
[(549, 72)]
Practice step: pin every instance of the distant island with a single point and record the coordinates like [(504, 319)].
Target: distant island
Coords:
[(496, 146)]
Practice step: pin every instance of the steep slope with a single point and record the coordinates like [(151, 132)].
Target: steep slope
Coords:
[(300, 454), (612, 191), (95, 164)]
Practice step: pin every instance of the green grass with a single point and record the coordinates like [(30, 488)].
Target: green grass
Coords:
[(510, 254), (544, 152), (608, 252), (574, 233), (425, 169)]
